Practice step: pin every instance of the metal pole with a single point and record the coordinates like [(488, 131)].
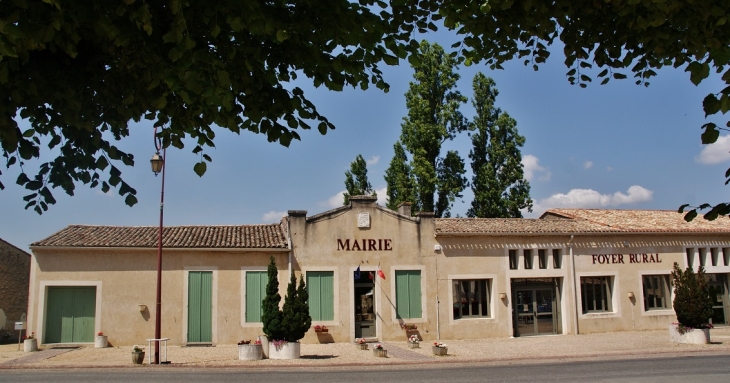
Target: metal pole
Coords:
[(158, 310)]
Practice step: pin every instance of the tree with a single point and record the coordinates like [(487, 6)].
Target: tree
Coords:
[(500, 189), (271, 316), (692, 301), (434, 117), (398, 179), (356, 180), (79, 72), (296, 319)]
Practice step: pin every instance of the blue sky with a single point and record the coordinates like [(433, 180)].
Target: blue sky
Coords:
[(613, 146)]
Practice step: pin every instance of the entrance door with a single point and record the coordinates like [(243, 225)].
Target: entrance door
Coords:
[(200, 306), (718, 292), (535, 308), (70, 315), (364, 305)]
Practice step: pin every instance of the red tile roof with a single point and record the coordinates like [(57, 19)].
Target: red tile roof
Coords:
[(571, 221), (214, 237)]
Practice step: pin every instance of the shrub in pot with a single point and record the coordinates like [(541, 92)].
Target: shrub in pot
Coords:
[(692, 302)]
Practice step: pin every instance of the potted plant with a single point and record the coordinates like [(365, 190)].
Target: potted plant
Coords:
[(693, 306), (439, 348), (413, 341), (30, 343), (101, 341), (361, 344), (284, 328), (137, 354), (250, 351), (379, 351)]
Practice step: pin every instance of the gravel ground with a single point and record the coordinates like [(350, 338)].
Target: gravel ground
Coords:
[(499, 351)]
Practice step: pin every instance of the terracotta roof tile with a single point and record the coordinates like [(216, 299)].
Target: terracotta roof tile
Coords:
[(214, 237), (451, 226)]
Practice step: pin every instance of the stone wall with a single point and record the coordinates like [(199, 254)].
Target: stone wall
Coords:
[(14, 279)]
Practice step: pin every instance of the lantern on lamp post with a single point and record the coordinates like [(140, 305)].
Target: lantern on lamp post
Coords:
[(158, 166)]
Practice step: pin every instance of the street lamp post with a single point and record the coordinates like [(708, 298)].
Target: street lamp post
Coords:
[(158, 165)]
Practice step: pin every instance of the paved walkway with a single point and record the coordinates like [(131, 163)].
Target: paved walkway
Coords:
[(636, 344)]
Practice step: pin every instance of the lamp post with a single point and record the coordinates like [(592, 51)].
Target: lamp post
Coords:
[(158, 165)]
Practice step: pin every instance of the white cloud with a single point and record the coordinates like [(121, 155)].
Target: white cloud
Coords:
[(373, 160), (532, 166), (588, 198), (609, 169), (715, 153), (334, 201), (273, 216), (382, 195), (587, 164)]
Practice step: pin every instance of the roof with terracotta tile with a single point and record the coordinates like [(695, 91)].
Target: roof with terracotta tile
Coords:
[(572, 221), (272, 236)]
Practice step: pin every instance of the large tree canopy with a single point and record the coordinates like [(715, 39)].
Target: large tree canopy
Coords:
[(79, 71)]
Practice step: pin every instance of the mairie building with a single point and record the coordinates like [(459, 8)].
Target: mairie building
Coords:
[(378, 274)]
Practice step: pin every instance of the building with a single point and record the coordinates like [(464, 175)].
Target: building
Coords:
[(14, 270), (376, 273)]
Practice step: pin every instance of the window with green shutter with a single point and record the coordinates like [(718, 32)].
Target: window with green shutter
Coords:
[(320, 286), (255, 292), (408, 294)]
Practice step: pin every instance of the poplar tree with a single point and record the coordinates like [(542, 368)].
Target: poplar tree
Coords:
[(498, 182), (398, 179), (356, 180), (434, 117)]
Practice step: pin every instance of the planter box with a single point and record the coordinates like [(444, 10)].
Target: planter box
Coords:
[(440, 351), (694, 336), (380, 353), (30, 345), (363, 346), (250, 352), (101, 341), (414, 345), (137, 357), (288, 350)]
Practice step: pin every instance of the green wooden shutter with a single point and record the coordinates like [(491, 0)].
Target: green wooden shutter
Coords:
[(200, 306), (255, 291), (408, 294), (70, 314), (320, 286)]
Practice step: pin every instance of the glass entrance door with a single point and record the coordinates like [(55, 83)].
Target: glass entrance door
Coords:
[(534, 309), (718, 292), (364, 305)]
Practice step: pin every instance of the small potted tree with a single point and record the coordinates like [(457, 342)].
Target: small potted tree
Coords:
[(287, 326), (693, 305)]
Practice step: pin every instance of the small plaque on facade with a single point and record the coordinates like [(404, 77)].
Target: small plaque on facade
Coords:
[(363, 220)]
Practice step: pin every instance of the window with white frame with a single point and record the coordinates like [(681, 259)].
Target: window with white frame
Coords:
[(471, 298), (657, 293), (596, 293)]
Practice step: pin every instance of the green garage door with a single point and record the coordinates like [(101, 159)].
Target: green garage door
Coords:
[(200, 306), (70, 314)]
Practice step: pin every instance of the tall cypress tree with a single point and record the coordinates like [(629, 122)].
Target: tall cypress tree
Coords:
[(399, 180), (271, 316), (433, 117), (500, 189), (692, 301), (356, 180)]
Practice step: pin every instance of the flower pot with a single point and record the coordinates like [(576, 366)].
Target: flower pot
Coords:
[(264, 345), (414, 345), (361, 346), (691, 336), (250, 352), (322, 331), (380, 353), (30, 345), (101, 341), (288, 350), (137, 357), (440, 351)]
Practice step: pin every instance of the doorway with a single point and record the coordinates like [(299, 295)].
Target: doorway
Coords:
[(717, 284), (70, 315), (536, 306), (200, 307), (364, 304)]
